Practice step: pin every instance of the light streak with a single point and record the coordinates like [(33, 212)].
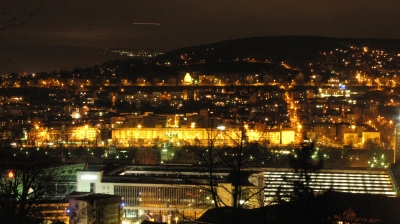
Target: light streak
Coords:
[(152, 24)]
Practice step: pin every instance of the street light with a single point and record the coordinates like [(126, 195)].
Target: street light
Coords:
[(120, 206), (221, 128), (10, 174)]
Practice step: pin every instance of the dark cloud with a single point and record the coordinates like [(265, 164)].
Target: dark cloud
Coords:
[(196, 22), (105, 23)]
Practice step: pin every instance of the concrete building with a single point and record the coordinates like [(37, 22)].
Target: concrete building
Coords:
[(168, 192), (162, 193)]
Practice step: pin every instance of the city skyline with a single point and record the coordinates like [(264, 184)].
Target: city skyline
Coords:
[(248, 108)]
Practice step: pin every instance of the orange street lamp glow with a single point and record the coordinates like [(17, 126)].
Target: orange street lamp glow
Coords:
[(10, 174)]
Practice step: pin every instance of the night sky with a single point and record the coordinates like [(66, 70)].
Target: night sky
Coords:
[(181, 23)]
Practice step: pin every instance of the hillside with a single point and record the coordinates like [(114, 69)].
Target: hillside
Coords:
[(272, 48), (275, 57)]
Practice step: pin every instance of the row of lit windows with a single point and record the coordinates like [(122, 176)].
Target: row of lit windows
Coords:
[(165, 196), (375, 183)]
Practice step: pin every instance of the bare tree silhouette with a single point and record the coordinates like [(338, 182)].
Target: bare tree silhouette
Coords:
[(230, 152), (16, 13), (24, 182)]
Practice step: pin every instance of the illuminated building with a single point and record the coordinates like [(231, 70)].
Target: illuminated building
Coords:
[(161, 191), (52, 211), (169, 189), (350, 139), (52, 207), (66, 135), (192, 135), (288, 137), (335, 91), (359, 181), (372, 135), (273, 137), (84, 133), (188, 79)]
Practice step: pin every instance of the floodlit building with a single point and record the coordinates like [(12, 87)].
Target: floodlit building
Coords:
[(351, 138), (191, 135), (187, 80), (78, 135), (372, 135), (288, 137), (52, 211)]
